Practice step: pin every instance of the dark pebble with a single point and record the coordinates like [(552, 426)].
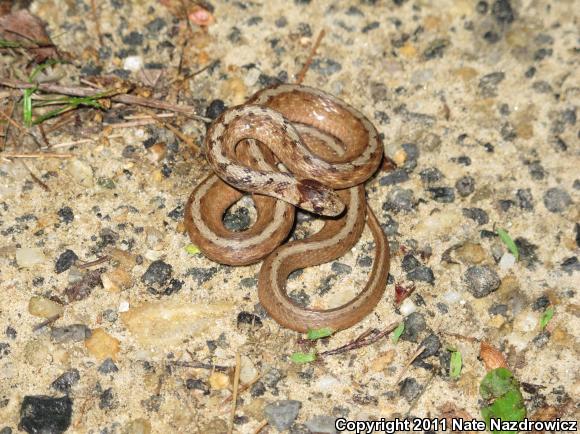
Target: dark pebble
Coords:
[(247, 318), (66, 214), (414, 325), (527, 252), (445, 361), (365, 399), (197, 384), (272, 378), (4, 349), (476, 214), (364, 261), (542, 339), (133, 38), (45, 414), (577, 229), (6, 430), (108, 367), (83, 288), (107, 400), (390, 225), (502, 11), (10, 332), (465, 186), (399, 199), (281, 22), (435, 49), (38, 281), (556, 200), (482, 7), (66, 381), (488, 83), (536, 170), (371, 26), (249, 282), (282, 414), (491, 37), (237, 221), (570, 265), (326, 66), (128, 151), (71, 333), (541, 303), (299, 428), (158, 273), (443, 308), (542, 86), (155, 25), (65, 261), (215, 108), (258, 389), (505, 204), (442, 194), (202, 275), (396, 177), (432, 345), (542, 53), (430, 175), (481, 280), (524, 199), (498, 309), (421, 274), (409, 262), (340, 268), (410, 389), (412, 151)]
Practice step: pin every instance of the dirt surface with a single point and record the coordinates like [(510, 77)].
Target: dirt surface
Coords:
[(477, 103)]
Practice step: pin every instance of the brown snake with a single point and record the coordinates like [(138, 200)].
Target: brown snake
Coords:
[(327, 150)]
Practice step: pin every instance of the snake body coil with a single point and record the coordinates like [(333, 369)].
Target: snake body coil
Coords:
[(327, 150)]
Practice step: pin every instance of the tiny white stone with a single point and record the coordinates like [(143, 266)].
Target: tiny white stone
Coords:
[(252, 77), (451, 297), (29, 256), (407, 307), (123, 306), (327, 383), (133, 63), (507, 261), (526, 321), (248, 371)]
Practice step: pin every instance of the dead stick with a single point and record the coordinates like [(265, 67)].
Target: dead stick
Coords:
[(174, 130), (235, 393), (302, 73), (122, 98), (93, 263)]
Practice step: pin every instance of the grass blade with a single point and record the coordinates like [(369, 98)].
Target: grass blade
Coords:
[(510, 244)]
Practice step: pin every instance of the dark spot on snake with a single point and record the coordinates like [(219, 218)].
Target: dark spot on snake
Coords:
[(308, 160)]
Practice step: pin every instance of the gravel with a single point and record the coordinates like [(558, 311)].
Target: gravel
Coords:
[(45, 414), (556, 200), (158, 273), (481, 280), (282, 414)]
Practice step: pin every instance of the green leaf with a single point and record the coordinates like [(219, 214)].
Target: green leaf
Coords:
[(397, 333), (510, 244), (192, 249), (502, 390), (546, 317), (27, 106), (323, 332), (303, 357), (455, 365)]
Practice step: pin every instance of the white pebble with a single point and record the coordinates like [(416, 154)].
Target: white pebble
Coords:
[(451, 297), (252, 77), (327, 383), (123, 306), (248, 371), (507, 261), (526, 321), (407, 307), (133, 63), (29, 256), (81, 172)]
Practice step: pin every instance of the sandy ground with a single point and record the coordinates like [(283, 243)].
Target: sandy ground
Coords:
[(477, 103)]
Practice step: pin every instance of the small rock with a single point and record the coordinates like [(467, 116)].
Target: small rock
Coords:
[(430, 175), (44, 308), (322, 424), (502, 11), (422, 274), (525, 321), (66, 381), (465, 186), (66, 214), (327, 384), (158, 273), (248, 319), (133, 63), (488, 83), (396, 177), (407, 307), (27, 257), (248, 371), (65, 260), (410, 389), (499, 309), (116, 280), (44, 414), (541, 303), (415, 324), (71, 333), (215, 108), (219, 381), (432, 344), (102, 345), (326, 66), (340, 268), (6, 430), (399, 199), (81, 172), (556, 200), (570, 265), (197, 384), (481, 280), (476, 214), (281, 414), (507, 261), (409, 262), (108, 367), (442, 194), (81, 289), (471, 253), (107, 400), (272, 378), (238, 220)]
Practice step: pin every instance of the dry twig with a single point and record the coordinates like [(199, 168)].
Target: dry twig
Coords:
[(367, 338), (235, 393), (302, 73)]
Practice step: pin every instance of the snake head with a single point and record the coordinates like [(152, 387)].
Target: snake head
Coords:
[(318, 198)]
